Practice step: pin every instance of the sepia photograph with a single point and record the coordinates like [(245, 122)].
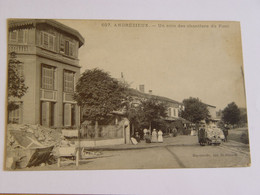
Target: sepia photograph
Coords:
[(124, 94)]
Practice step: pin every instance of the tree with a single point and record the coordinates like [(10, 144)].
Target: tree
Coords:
[(243, 116), (154, 111), (99, 94), (16, 82), (135, 115), (231, 114), (195, 110), (150, 112)]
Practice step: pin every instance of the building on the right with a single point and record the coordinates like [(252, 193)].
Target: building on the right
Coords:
[(213, 113)]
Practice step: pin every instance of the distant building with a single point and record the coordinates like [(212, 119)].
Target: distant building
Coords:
[(173, 107), (212, 111), (49, 52), (141, 88)]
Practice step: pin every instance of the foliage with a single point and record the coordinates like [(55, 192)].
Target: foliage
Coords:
[(195, 110), (149, 112), (99, 94), (231, 114), (16, 82), (243, 116), (135, 115), (153, 109)]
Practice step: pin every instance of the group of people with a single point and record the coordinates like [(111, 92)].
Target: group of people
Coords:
[(157, 136), (154, 137)]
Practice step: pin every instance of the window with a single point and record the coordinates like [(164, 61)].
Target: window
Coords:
[(69, 114), (67, 47), (71, 49), (13, 36), (18, 36), (47, 113), (47, 40), (177, 112), (67, 43), (169, 111), (48, 77), (62, 45), (69, 81), (15, 116)]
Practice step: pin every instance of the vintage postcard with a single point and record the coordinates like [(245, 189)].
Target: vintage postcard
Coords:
[(108, 94)]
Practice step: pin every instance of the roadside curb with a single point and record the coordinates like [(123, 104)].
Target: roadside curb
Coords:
[(135, 148)]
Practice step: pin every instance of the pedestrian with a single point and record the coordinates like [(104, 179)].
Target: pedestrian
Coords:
[(149, 132), (137, 137), (160, 137), (175, 132), (225, 131), (145, 132), (202, 136), (154, 136), (147, 137)]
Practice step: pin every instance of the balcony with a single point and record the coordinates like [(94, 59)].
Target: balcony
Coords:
[(21, 48), (48, 95), (68, 98)]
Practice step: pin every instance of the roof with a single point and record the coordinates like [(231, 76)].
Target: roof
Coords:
[(177, 119), (146, 95), (210, 105), (19, 23)]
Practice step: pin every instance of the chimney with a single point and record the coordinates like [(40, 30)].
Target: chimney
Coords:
[(122, 75), (141, 88), (150, 92)]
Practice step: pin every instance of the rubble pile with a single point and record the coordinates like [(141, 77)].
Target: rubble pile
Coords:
[(90, 154), (30, 145), (38, 134)]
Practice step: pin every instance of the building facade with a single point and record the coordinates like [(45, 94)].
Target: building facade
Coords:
[(173, 107), (50, 66), (212, 111)]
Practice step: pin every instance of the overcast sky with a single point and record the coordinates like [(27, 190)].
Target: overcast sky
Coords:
[(175, 62)]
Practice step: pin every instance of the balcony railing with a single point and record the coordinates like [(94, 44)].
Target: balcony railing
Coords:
[(20, 48), (68, 97), (48, 95)]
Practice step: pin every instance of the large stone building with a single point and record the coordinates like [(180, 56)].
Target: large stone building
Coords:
[(48, 51)]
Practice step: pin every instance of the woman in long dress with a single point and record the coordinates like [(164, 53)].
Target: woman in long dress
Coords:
[(160, 138), (154, 136)]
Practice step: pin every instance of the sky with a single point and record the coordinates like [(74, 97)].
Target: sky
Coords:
[(177, 60)]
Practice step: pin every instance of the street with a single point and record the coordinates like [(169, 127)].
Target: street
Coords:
[(176, 152), (230, 154)]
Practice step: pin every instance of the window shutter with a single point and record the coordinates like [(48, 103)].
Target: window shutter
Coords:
[(45, 40), (20, 36), (62, 45), (48, 77), (13, 36), (67, 114), (67, 47), (51, 42), (68, 81), (44, 114), (71, 51), (41, 39), (25, 36)]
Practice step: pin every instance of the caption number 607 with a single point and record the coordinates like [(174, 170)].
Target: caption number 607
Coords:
[(105, 24)]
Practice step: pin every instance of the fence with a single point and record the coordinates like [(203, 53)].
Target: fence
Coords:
[(103, 131)]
